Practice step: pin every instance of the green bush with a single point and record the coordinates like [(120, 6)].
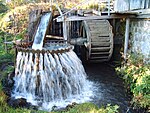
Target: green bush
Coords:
[(137, 77), (6, 56), (3, 7)]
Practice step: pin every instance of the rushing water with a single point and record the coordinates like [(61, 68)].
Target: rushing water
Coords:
[(41, 31), (48, 80)]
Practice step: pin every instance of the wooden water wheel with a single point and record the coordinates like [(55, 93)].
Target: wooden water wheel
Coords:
[(99, 40)]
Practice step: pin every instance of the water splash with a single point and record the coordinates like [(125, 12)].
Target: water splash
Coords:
[(47, 79)]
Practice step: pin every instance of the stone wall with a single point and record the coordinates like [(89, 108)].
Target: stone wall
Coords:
[(140, 37)]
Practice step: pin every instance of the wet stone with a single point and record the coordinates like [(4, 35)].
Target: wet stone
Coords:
[(7, 91), (21, 102), (8, 81)]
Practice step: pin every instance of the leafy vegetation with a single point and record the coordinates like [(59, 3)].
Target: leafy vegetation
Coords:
[(3, 7), (6, 54), (137, 77)]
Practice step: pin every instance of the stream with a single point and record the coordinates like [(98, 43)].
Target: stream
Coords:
[(110, 88)]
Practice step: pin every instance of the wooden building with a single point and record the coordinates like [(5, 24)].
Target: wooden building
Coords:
[(128, 5)]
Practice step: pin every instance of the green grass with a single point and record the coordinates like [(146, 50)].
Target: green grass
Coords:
[(90, 108)]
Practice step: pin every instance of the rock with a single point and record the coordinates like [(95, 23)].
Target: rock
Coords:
[(8, 81), (11, 75), (21, 102), (54, 108), (7, 91)]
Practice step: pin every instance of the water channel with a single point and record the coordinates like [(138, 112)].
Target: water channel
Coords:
[(109, 87)]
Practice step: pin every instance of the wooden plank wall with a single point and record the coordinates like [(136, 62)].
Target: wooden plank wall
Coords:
[(126, 5), (56, 28), (73, 28)]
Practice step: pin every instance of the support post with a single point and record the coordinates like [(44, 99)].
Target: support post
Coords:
[(51, 2), (108, 7), (64, 29), (126, 38), (99, 8)]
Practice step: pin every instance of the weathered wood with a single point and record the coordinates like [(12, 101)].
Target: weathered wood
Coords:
[(100, 29), (136, 12), (88, 36), (100, 53), (55, 37), (101, 60), (79, 18), (103, 57), (99, 21), (126, 38), (100, 44), (94, 33), (34, 17), (101, 49), (144, 16), (108, 7), (100, 39), (65, 30), (95, 23)]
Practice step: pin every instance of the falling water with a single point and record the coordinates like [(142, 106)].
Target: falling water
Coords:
[(41, 31), (51, 79)]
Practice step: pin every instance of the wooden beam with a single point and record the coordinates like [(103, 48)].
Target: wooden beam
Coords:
[(79, 18), (144, 16), (56, 37), (126, 38), (137, 11), (108, 7), (64, 29)]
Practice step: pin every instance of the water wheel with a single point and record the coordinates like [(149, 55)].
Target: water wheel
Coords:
[(99, 40)]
